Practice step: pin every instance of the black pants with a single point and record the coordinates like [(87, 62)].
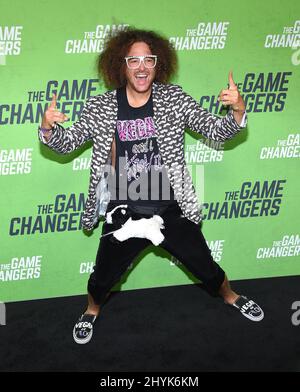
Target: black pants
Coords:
[(183, 239)]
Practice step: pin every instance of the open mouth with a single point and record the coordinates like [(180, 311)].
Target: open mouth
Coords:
[(141, 77)]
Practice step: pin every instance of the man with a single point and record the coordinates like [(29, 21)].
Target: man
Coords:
[(139, 128)]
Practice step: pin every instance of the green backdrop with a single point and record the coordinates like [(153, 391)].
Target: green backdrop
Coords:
[(250, 185)]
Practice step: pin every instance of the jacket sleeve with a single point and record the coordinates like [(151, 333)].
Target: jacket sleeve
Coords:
[(67, 140), (202, 121)]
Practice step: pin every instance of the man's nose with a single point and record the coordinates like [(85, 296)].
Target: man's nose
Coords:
[(142, 66)]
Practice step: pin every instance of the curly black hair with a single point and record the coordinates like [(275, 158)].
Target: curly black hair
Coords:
[(111, 63)]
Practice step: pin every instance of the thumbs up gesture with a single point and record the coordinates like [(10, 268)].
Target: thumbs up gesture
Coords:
[(52, 115), (231, 96)]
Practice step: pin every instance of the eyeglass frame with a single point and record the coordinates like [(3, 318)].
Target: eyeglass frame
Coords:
[(141, 58)]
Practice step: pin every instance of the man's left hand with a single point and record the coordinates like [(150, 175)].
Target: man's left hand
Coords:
[(232, 97)]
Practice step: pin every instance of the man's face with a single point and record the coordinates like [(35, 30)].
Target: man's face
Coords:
[(140, 79)]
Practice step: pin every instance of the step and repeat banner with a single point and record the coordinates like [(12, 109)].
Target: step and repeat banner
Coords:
[(249, 185)]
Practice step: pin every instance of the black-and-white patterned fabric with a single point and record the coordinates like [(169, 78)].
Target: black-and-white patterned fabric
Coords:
[(174, 111)]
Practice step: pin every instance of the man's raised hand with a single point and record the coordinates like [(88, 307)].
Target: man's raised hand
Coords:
[(231, 96), (52, 115)]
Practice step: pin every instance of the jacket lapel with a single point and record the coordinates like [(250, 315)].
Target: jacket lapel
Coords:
[(160, 111)]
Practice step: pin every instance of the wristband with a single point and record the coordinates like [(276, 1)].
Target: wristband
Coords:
[(44, 130)]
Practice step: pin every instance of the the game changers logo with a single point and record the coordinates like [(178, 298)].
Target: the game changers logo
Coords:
[(289, 37), (216, 247), (16, 161), (21, 268), (203, 36), (252, 200), (86, 267), (287, 246), (262, 92), (10, 42), (204, 151), (63, 214), (286, 148), (82, 163), (71, 93), (93, 41)]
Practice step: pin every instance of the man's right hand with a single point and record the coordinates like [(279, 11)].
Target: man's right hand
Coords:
[(52, 115)]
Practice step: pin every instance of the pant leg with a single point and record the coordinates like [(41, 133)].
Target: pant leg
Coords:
[(185, 241), (112, 261)]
